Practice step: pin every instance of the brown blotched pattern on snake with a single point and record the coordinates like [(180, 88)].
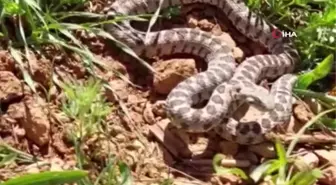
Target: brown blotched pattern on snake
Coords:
[(227, 83)]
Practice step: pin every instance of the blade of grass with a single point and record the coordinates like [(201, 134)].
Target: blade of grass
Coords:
[(125, 173), (321, 96), (48, 178), (27, 78), (124, 47), (262, 169), (302, 130), (319, 72), (216, 163), (153, 19)]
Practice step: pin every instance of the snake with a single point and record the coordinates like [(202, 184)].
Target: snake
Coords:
[(223, 84)]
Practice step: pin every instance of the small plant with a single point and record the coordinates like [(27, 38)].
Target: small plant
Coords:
[(279, 172), (86, 106), (10, 155)]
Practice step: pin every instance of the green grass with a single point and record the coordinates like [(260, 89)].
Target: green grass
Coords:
[(312, 20), (86, 105), (30, 25)]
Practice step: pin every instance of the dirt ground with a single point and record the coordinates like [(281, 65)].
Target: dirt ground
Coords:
[(139, 131)]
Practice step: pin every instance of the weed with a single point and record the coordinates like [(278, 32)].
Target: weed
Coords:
[(10, 155), (86, 106)]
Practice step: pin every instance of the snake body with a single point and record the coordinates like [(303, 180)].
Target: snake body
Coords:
[(222, 83)]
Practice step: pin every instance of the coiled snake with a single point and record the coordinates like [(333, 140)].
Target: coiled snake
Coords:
[(224, 85)]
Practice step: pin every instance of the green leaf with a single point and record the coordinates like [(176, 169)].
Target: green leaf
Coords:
[(282, 159), (125, 173), (281, 152), (320, 71), (221, 170), (262, 170), (306, 178), (48, 178), (12, 8)]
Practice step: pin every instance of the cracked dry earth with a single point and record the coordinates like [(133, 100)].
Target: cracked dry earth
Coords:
[(138, 130)]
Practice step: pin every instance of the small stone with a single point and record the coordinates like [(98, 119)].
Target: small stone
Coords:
[(204, 24), (302, 113), (148, 114), (120, 89), (192, 22), (326, 156), (216, 30), (116, 129), (172, 72), (10, 87), (310, 159), (238, 54), (41, 70), (120, 138), (137, 145), (6, 61), (329, 175), (33, 118), (159, 108), (227, 39)]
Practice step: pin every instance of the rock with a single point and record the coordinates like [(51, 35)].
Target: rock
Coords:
[(326, 156), (6, 61), (41, 70), (111, 66), (293, 125), (192, 22), (148, 114), (159, 108), (121, 138), (71, 65), (10, 87), (171, 73), (301, 113), (120, 89), (204, 24), (59, 144), (238, 54), (329, 175), (33, 118), (217, 30), (310, 159), (228, 40), (265, 150)]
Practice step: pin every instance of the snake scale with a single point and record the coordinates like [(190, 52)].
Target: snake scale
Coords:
[(223, 84)]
